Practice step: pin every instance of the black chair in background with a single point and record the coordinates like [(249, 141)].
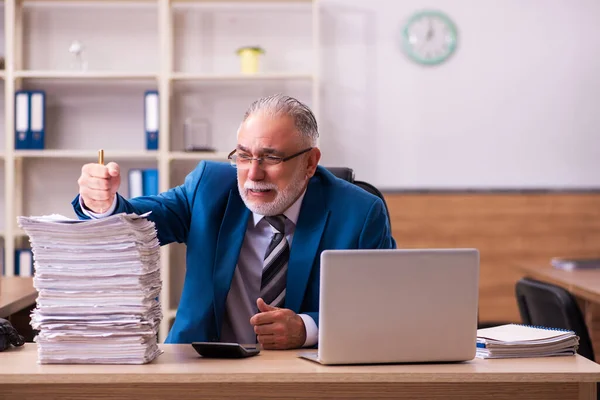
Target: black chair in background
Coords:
[(347, 174), (543, 304), (344, 173)]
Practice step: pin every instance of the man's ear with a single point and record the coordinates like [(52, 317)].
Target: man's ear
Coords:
[(313, 160)]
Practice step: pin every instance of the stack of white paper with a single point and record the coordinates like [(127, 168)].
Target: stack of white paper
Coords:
[(521, 341), (98, 283)]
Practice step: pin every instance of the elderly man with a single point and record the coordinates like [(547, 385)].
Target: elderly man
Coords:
[(254, 229)]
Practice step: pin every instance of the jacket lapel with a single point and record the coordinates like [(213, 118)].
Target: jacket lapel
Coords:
[(307, 236), (229, 244)]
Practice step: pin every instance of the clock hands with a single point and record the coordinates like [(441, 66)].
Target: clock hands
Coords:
[(430, 31)]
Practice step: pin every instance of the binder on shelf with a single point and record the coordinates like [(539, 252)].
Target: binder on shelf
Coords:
[(37, 122), (151, 119), (23, 262), (150, 182), (136, 183), (30, 119), (22, 133)]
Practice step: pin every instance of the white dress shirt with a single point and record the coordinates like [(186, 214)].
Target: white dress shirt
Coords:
[(94, 215), (240, 305)]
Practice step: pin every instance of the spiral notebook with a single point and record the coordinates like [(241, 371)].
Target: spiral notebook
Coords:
[(523, 341)]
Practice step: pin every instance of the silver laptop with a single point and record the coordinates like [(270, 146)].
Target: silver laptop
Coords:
[(397, 306)]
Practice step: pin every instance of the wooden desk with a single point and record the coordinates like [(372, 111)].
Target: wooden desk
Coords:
[(180, 373), (583, 284), (16, 294)]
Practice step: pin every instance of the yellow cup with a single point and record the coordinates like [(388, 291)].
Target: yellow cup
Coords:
[(249, 59)]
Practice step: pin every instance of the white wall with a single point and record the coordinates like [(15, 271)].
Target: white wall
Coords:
[(518, 105)]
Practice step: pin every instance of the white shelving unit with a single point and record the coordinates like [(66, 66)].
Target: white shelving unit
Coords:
[(183, 49)]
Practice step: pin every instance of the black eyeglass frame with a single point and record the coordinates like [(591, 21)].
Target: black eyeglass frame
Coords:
[(260, 160)]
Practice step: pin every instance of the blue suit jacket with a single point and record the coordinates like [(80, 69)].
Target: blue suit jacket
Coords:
[(208, 214)]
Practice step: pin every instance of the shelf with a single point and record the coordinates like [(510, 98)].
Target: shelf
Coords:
[(115, 154), (186, 76), (87, 154), (240, 1), (80, 3), (91, 75), (198, 155)]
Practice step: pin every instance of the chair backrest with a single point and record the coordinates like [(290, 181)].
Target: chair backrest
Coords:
[(344, 173), (347, 174), (544, 304)]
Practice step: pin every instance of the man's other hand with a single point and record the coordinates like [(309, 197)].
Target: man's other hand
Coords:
[(278, 328)]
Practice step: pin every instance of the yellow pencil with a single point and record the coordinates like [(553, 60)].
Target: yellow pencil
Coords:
[(101, 162)]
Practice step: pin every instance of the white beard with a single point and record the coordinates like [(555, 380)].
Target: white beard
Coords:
[(282, 201)]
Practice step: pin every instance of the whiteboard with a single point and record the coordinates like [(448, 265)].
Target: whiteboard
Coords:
[(517, 106)]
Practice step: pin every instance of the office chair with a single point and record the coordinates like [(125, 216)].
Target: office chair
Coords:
[(347, 174), (344, 173), (551, 306)]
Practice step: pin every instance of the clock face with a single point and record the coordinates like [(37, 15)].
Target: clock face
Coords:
[(429, 37)]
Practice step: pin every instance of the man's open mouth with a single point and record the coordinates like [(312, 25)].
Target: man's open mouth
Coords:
[(259, 190)]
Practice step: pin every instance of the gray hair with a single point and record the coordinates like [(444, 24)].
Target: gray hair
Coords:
[(279, 104)]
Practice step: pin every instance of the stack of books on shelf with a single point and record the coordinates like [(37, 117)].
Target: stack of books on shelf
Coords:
[(98, 283), (522, 341)]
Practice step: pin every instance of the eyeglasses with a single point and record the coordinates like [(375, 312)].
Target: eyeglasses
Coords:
[(244, 160)]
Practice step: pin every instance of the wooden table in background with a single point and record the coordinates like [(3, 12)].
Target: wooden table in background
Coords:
[(180, 373), (16, 294), (583, 284), (17, 300)]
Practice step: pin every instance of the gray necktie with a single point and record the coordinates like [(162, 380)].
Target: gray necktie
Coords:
[(272, 287)]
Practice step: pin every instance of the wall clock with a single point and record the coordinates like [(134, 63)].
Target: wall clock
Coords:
[(429, 37)]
